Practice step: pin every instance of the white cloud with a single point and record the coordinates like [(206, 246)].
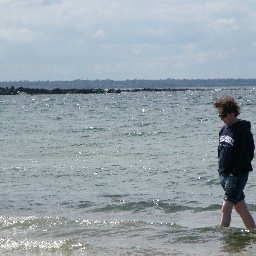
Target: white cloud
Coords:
[(98, 34), (16, 35), (225, 24), (126, 39)]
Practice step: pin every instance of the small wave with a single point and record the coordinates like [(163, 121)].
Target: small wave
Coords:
[(80, 204), (12, 244), (115, 195), (137, 133), (92, 128), (123, 206), (29, 222), (9, 244), (110, 223), (212, 207), (119, 204), (142, 206), (127, 223)]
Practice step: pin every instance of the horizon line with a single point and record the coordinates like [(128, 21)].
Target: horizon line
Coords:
[(127, 80)]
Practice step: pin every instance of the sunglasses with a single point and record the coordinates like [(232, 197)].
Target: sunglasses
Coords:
[(223, 115)]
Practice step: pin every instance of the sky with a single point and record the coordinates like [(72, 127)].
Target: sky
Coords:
[(127, 39)]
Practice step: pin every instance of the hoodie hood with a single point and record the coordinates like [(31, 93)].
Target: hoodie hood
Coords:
[(244, 123)]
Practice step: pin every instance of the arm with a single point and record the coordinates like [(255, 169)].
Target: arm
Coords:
[(246, 153)]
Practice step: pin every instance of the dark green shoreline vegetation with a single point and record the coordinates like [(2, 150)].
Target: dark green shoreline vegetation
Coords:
[(112, 86), (32, 91)]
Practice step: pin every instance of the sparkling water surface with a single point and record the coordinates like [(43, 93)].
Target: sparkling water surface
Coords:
[(117, 174)]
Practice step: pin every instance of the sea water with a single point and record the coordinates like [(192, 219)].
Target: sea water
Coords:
[(117, 174)]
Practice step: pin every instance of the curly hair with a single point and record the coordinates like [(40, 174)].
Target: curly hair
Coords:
[(228, 104)]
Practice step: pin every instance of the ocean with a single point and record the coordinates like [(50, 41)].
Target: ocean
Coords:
[(133, 173)]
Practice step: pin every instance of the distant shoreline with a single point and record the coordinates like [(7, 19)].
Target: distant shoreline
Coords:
[(112, 86), (33, 91)]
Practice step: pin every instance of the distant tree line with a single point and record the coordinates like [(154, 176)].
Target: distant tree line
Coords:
[(135, 83), (33, 91), (111, 86)]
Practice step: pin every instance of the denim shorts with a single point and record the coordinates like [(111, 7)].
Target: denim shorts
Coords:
[(233, 187)]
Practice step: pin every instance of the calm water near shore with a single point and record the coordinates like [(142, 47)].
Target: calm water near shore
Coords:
[(117, 174)]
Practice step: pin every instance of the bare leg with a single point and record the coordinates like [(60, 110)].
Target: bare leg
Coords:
[(247, 218), (226, 214)]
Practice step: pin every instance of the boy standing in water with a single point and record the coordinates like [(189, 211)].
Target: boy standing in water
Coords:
[(235, 153)]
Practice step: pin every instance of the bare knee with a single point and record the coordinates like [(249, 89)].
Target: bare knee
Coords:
[(241, 207), (227, 207)]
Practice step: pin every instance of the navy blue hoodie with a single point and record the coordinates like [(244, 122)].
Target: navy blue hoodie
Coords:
[(236, 148)]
